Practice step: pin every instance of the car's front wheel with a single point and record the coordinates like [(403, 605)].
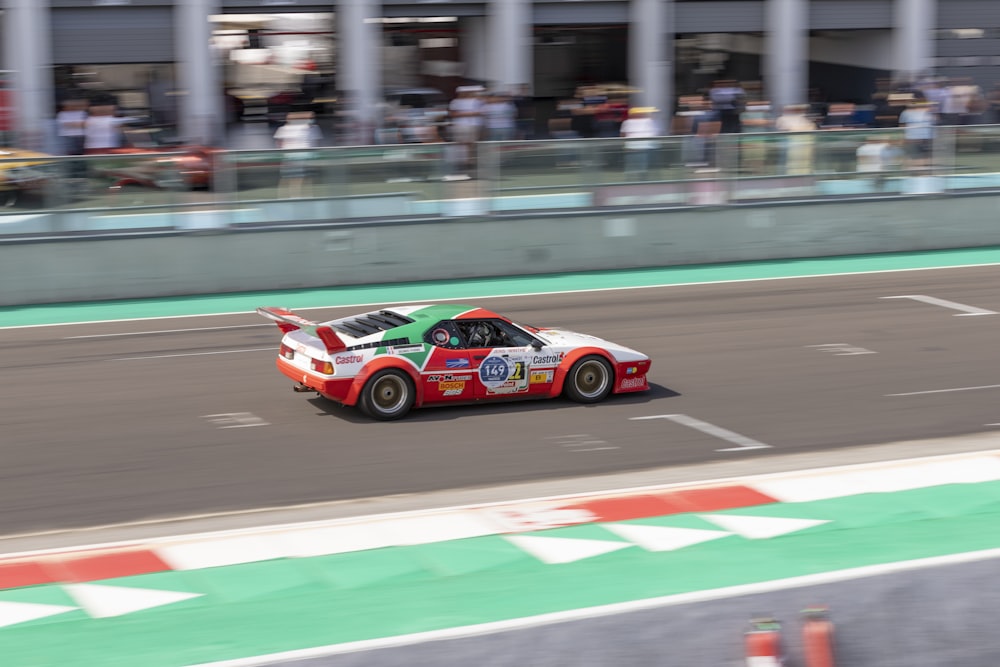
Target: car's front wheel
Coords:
[(387, 395), (590, 380)]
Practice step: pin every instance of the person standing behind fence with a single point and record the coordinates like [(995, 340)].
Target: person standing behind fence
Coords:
[(639, 130), (500, 116), (466, 114), (525, 104), (609, 116), (755, 121), (70, 123), (799, 145), (918, 130), (727, 99), (295, 137), (102, 129)]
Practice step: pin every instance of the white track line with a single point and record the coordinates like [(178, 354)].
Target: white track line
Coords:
[(967, 311), (194, 354), (166, 331), (946, 391), (609, 610), (743, 442), (521, 294)]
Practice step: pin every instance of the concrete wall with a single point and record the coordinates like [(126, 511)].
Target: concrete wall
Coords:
[(205, 262)]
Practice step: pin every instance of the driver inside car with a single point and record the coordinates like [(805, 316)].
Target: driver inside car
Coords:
[(480, 335)]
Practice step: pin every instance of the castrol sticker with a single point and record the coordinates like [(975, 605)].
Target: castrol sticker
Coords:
[(632, 383)]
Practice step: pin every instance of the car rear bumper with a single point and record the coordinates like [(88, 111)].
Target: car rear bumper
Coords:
[(336, 389)]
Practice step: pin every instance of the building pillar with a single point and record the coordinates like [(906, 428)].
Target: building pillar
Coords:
[(913, 37), (511, 44), (650, 58), (359, 64), (29, 96), (475, 48), (786, 68), (200, 108)]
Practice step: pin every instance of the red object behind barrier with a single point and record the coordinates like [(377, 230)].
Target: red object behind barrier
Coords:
[(817, 638), (763, 645)]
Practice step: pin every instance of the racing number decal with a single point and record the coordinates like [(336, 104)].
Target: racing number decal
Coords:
[(494, 371), (501, 375)]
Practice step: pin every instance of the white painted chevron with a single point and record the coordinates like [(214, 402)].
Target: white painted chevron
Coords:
[(12, 613), (555, 550), (760, 527), (106, 601), (663, 538)]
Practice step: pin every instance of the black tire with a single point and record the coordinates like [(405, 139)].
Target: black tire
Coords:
[(387, 395), (590, 380)]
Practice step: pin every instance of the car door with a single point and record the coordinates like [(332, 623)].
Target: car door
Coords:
[(499, 363)]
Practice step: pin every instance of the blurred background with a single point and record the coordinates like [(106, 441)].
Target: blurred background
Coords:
[(206, 69)]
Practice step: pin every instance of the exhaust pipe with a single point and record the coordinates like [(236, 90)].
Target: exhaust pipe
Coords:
[(300, 388)]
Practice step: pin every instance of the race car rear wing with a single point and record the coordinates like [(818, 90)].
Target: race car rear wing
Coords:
[(289, 321)]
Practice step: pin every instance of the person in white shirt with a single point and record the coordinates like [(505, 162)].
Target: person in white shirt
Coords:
[(640, 129), (295, 137), (102, 129), (799, 142), (466, 114), (918, 121)]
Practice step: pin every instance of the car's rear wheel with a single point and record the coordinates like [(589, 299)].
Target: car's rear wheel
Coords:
[(387, 395), (590, 380)]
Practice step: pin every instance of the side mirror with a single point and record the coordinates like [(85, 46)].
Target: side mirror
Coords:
[(536, 345)]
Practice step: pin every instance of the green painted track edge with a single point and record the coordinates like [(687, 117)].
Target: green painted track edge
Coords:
[(473, 288)]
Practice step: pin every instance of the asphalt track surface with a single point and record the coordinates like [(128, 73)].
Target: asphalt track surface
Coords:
[(125, 421)]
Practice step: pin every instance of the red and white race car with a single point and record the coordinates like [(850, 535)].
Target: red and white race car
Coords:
[(390, 360)]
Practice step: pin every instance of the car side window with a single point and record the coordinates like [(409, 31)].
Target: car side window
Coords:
[(445, 334), (492, 333), (514, 336)]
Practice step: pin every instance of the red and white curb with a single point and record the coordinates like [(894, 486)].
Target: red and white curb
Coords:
[(217, 549)]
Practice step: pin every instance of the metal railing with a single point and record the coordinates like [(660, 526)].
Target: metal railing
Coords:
[(199, 189)]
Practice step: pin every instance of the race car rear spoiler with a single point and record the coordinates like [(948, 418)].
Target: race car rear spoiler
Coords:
[(289, 321)]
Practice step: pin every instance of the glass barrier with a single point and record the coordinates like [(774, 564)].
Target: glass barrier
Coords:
[(58, 195), (974, 155), (197, 189)]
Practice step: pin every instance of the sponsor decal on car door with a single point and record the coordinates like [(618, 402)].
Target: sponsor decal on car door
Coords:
[(448, 376)]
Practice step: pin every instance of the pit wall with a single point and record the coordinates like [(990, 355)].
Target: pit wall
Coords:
[(208, 262)]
